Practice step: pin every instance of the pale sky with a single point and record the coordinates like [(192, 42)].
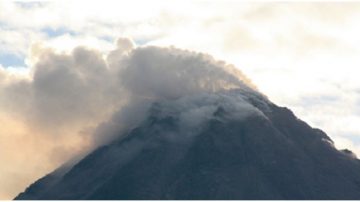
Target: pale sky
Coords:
[(304, 56)]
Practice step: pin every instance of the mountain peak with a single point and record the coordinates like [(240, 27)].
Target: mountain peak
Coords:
[(230, 144)]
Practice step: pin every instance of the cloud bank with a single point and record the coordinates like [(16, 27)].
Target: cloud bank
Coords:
[(69, 103)]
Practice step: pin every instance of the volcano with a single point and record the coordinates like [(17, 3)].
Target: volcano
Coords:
[(228, 143)]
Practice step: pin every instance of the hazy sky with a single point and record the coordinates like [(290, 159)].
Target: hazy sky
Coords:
[(304, 56)]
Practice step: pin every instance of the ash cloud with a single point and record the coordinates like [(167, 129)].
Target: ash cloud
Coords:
[(79, 100), (77, 92), (184, 78), (169, 73)]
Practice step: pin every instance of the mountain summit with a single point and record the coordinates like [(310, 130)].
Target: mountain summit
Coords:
[(219, 143)]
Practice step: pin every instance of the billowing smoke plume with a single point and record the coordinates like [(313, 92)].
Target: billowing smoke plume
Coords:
[(71, 102)]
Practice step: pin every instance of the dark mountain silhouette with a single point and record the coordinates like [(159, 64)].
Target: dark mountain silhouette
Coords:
[(270, 154)]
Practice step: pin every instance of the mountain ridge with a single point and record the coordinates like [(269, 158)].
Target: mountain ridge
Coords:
[(238, 146)]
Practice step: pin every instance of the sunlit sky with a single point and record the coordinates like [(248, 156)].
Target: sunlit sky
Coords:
[(304, 56)]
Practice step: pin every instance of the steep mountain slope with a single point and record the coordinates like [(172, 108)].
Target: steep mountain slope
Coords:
[(230, 144)]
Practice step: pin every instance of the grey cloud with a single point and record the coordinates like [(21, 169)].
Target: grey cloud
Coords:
[(82, 90), (71, 103), (171, 73), (159, 75), (72, 87)]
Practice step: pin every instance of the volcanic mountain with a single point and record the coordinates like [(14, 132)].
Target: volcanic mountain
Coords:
[(216, 138)]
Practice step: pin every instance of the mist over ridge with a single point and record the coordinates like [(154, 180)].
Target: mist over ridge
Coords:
[(181, 125)]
